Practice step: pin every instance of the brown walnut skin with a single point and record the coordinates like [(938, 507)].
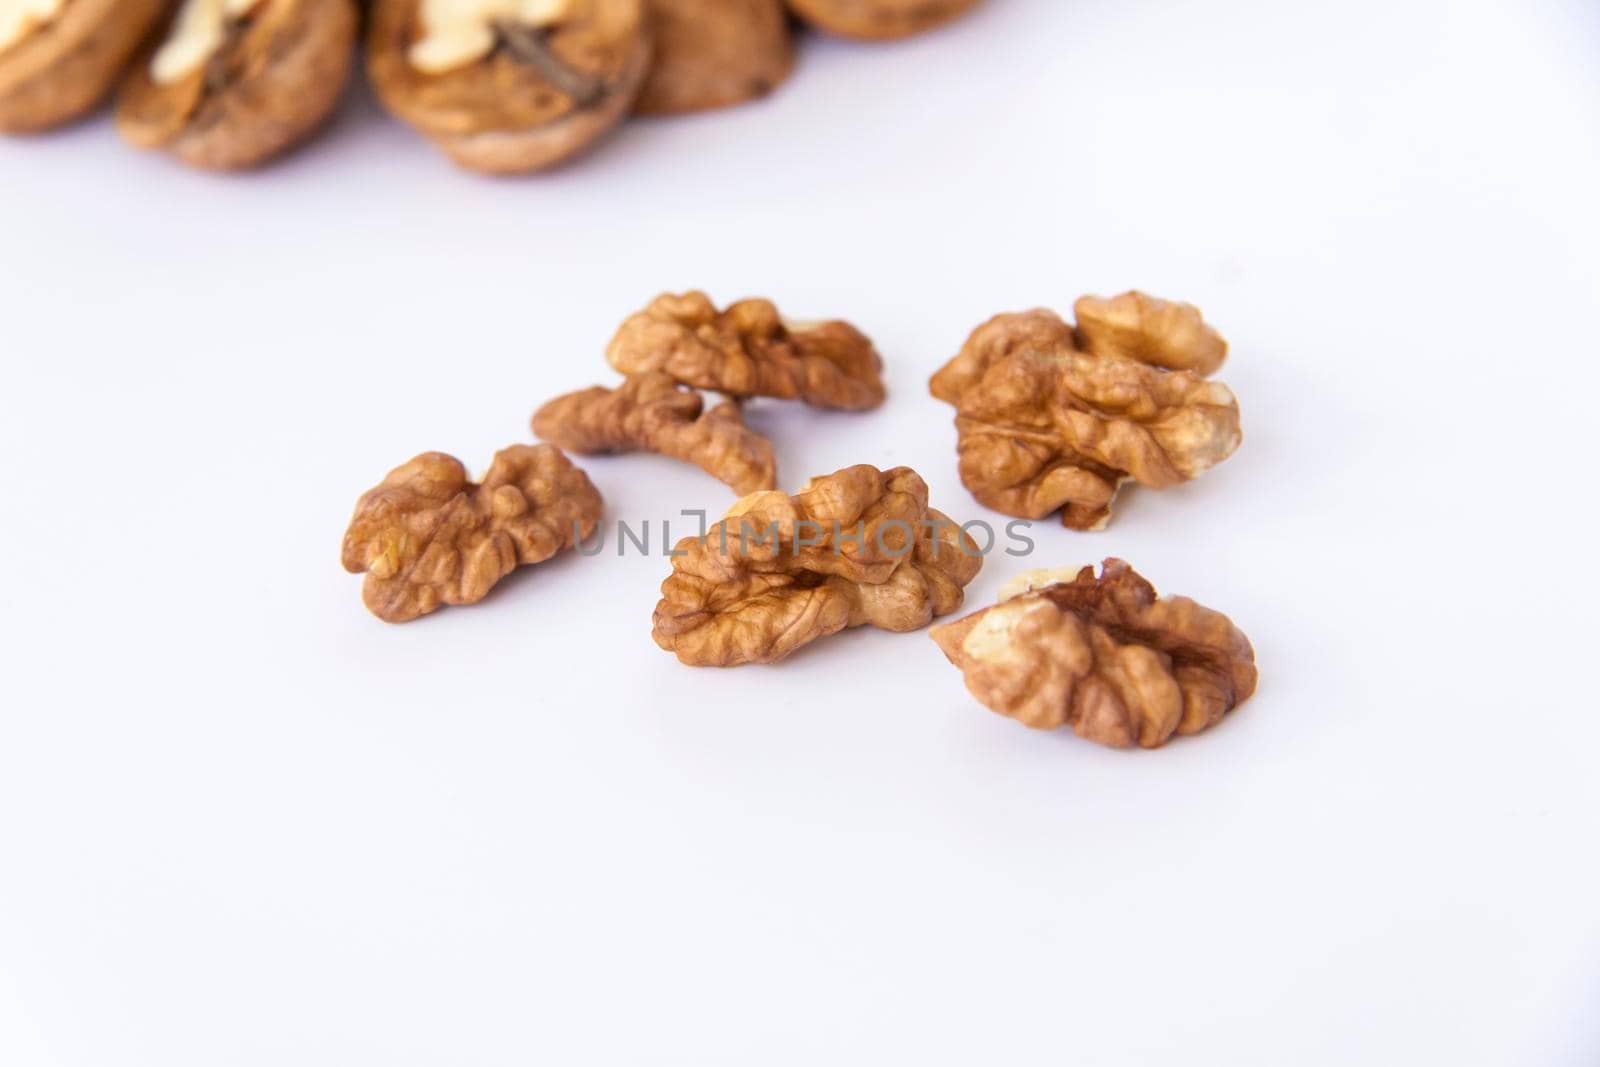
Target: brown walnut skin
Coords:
[(426, 536), (503, 114), (62, 69), (750, 350), (1104, 656), (653, 413), (715, 53), (879, 20), (858, 547), (276, 78), (1052, 417)]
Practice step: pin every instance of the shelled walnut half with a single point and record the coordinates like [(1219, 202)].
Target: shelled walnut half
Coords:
[(509, 86), (59, 58), (1102, 655), (713, 53), (1055, 417), (426, 536), (750, 350), (879, 19), (858, 547), (653, 413), (233, 83)]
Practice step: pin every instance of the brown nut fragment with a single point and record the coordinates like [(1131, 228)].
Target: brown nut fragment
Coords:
[(1055, 418), (427, 536), (1102, 655), (653, 413), (879, 20), (509, 86), (750, 350), (234, 83), (855, 548), (714, 53), (59, 59)]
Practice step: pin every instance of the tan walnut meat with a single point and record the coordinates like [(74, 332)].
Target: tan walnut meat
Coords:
[(713, 53), (509, 86), (750, 350), (1102, 655), (426, 536), (59, 60), (653, 413), (231, 84), (858, 547), (879, 19), (1055, 417)]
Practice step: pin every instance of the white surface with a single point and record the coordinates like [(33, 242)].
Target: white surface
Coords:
[(244, 823)]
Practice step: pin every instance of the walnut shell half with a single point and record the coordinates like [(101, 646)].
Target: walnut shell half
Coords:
[(653, 413), (713, 53), (426, 536), (273, 80), (750, 350), (62, 68), (858, 547), (878, 20), (540, 95), (1104, 656)]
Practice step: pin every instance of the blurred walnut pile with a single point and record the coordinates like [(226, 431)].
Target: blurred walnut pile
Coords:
[(500, 86)]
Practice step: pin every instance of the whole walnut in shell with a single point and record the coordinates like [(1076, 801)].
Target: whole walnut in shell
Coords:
[(233, 83), (426, 536), (1102, 655), (653, 413), (879, 19), (713, 53), (1055, 417), (509, 86), (58, 62), (858, 547), (750, 350)]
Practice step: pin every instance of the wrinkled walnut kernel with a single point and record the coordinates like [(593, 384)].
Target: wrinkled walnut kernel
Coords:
[(545, 91), (274, 75), (1051, 417), (750, 350), (427, 536), (855, 548), (1104, 656), (653, 413), (714, 53), (879, 20)]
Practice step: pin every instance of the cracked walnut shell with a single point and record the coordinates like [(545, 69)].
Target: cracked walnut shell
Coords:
[(750, 350), (1055, 417), (509, 87), (1102, 655), (426, 536), (857, 547), (715, 53), (653, 413), (879, 19), (57, 67), (233, 83)]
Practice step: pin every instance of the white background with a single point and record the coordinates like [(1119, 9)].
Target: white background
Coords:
[(244, 823)]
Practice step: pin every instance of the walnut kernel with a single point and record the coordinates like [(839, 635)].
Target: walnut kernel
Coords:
[(59, 58), (426, 536), (1102, 655), (653, 413), (1051, 417), (854, 548), (750, 350)]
